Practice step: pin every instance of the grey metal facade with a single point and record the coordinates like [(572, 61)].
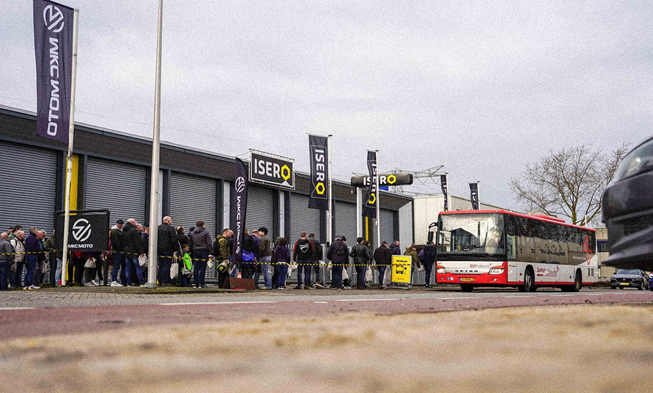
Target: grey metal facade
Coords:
[(193, 198), (345, 221), (303, 219), (260, 204)]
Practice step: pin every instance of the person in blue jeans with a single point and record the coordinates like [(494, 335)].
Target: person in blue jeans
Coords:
[(32, 249), (338, 253), (133, 246), (6, 259), (282, 258), (201, 244), (265, 255)]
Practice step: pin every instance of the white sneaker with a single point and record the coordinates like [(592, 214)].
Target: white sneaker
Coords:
[(116, 284), (90, 284), (96, 283), (144, 286), (33, 287), (25, 288), (346, 287)]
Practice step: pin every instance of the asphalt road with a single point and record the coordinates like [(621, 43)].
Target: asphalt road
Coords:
[(46, 312)]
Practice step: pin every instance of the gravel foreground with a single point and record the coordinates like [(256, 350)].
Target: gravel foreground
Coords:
[(570, 348)]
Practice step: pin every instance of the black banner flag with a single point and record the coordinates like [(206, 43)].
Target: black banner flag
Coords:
[(473, 195), (53, 44), (445, 191), (320, 192), (369, 208), (238, 208)]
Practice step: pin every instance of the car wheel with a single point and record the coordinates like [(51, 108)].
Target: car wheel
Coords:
[(466, 287), (529, 281), (621, 287), (578, 282), (650, 287), (613, 287)]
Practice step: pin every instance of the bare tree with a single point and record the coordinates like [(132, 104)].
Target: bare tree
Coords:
[(568, 182)]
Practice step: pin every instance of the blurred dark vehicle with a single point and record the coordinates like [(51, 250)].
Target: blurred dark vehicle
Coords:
[(628, 210), (650, 282), (630, 278)]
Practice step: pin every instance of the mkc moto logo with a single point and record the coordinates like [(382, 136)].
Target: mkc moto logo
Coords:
[(240, 184), (53, 18), (81, 230)]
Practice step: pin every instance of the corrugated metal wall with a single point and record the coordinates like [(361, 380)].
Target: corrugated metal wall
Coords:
[(193, 198), (260, 204), (303, 219)]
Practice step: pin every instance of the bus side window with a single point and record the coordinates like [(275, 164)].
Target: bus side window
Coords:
[(512, 248)]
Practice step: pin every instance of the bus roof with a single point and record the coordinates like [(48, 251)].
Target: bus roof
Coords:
[(538, 217)]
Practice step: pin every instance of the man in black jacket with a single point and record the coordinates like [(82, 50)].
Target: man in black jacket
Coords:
[(167, 244), (361, 260), (315, 259), (133, 247), (117, 250), (429, 258), (302, 253), (383, 259)]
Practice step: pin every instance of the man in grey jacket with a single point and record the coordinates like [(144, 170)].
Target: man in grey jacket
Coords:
[(6, 259), (202, 243)]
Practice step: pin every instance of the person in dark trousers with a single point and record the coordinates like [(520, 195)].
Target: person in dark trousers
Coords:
[(281, 256), (383, 259), (133, 246), (315, 259), (248, 257), (6, 259), (338, 253), (302, 253), (222, 252), (201, 243), (32, 249), (361, 259), (394, 247), (167, 244), (265, 257), (117, 250), (429, 258)]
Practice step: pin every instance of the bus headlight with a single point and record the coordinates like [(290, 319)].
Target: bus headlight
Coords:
[(497, 270), (441, 269)]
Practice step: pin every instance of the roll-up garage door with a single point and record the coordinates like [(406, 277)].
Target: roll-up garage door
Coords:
[(345, 216), (387, 227), (259, 208), (116, 186), (303, 219), (193, 198), (28, 193)]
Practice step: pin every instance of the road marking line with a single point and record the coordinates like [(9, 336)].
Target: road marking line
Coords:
[(17, 308), (210, 303), (365, 300), (320, 302)]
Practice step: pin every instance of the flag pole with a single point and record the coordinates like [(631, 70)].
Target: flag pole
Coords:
[(378, 204), (154, 184), (69, 160), (330, 210)]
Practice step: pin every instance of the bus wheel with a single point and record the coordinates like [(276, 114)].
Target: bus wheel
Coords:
[(529, 280), (466, 287), (578, 283)]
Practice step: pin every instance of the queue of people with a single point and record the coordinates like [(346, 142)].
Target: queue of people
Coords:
[(183, 259)]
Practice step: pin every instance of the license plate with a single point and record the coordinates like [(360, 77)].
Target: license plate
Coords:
[(624, 283), (467, 279)]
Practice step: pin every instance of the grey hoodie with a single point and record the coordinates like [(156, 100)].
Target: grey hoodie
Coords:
[(201, 239)]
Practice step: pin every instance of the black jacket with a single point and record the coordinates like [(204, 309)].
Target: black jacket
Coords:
[(317, 249), (360, 254), (133, 244), (116, 240), (167, 241), (383, 256), (429, 253)]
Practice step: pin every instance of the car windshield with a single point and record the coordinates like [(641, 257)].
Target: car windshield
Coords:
[(471, 236), (625, 271)]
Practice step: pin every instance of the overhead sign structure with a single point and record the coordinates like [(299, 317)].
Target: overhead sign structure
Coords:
[(395, 179), (401, 265), (89, 230), (272, 169)]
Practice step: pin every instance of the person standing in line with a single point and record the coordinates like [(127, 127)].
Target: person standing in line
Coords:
[(222, 252), (414, 260), (6, 259), (315, 259), (18, 243), (370, 254), (117, 250), (40, 264), (134, 247), (337, 253), (429, 258), (167, 244), (201, 244), (383, 259), (265, 255), (32, 249), (394, 247), (302, 253), (361, 260), (55, 259), (181, 236), (248, 256), (282, 258), (14, 233)]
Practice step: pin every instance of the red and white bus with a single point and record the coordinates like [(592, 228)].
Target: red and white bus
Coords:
[(504, 249)]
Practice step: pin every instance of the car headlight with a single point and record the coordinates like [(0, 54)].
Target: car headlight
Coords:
[(637, 161)]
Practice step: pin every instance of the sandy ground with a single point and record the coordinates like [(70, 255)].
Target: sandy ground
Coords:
[(570, 348)]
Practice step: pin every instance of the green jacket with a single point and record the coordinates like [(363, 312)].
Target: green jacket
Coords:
[(187, 261), (414, 256), (221, 250), (49, 247)]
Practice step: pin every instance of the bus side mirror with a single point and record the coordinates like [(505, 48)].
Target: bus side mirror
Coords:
[(430, 237), (433, 224)]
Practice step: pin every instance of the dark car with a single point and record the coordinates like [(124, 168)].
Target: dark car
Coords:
[(628, 210), (650, 282), (630, 278)]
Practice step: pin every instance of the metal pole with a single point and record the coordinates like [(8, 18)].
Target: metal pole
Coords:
[(378, 204), (359, 212), (154, 186), (330, 211), (478, 194), (69, 164)]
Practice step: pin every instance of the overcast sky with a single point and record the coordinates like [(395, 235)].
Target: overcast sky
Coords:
[(481, 87)]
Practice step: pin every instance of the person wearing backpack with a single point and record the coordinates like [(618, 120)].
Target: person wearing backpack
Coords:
[(19, 258), (337, 253), (302, 253)]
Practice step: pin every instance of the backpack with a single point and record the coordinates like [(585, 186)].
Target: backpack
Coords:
[(340, 249), (304, 250)]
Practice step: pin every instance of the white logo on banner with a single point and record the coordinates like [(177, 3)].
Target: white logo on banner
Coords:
[(240, 184), (53, 18), (81, 229)]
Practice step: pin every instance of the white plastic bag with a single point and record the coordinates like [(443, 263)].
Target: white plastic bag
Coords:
[(90, 263), (142, 260), (174, 270)]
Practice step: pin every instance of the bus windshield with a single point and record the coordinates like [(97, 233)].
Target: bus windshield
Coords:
[(471, 236)]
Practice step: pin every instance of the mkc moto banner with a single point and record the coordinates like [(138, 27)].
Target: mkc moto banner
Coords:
[(445, 191), (88, 230), (320, 193), (239, 208), (53, 44), (473, 195), (369, 208)]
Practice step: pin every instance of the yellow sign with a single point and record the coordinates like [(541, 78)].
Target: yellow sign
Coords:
[(401, 265)]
